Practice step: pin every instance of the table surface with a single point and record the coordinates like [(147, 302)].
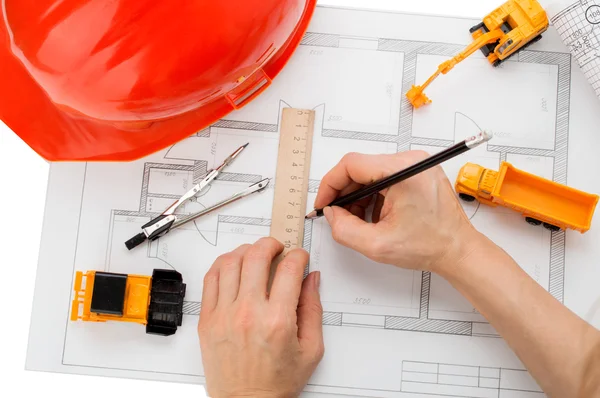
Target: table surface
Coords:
[(23, 178)]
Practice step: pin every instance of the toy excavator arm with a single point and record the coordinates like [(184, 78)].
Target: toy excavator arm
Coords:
[(416, 95), (476, 45)]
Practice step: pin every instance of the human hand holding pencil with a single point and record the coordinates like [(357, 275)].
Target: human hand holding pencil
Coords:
[(405, 173), (418, 223)]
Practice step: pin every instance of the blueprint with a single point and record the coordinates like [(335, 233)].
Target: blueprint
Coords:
[(577, 24), (388, 332)]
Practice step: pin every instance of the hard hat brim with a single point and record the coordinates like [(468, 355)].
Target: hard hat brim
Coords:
[(56, 134)]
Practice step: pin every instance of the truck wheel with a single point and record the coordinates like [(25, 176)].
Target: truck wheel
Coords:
[(533, 221), (551, 227), (466, 198)]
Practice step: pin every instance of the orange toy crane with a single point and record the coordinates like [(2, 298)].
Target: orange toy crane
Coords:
[(511, 27), (539, 200)]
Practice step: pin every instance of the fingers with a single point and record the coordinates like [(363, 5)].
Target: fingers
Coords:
[(349, 230), (361, 169), (357, 211), (210, 290), (352, 170), (287, 282), (377, 208), (359, 208), (256, 266), (230, 266), (310, 316)]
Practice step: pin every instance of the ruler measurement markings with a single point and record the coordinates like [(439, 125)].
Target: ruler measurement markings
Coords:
[(291, 181)]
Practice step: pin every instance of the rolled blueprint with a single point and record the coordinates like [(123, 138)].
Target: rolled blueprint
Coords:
[(578, 24)]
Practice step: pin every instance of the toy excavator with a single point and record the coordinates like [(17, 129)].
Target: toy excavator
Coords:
[(510, 28)]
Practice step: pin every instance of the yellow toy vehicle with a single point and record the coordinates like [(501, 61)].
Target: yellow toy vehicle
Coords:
[(539, 200), (154, 301), (511, 27)]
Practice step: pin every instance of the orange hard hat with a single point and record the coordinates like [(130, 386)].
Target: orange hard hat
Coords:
[(94, 80)]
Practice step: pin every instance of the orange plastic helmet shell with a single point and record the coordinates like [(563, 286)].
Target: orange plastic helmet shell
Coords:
[(116, 80)]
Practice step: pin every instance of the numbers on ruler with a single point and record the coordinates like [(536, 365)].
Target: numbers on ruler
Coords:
[(292, 178), (295, 187)]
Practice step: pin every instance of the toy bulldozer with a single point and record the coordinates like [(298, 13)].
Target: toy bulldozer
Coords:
[(510, 28)]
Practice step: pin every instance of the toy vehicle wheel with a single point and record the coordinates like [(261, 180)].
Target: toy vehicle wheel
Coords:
[(533, 221), (537, 38), (476, 27), (466, 198), (551, 227)]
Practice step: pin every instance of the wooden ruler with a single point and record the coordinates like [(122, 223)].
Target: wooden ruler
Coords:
[(291, 180)]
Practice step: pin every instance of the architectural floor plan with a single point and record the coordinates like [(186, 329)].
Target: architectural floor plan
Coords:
[(410, 333)]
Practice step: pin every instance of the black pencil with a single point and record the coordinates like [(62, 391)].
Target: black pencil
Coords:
[(402, 175)]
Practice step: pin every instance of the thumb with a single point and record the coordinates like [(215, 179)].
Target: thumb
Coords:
[(310, 317), (348, 229)]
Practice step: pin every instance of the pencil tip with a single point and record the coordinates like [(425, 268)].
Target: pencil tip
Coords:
[(245, 145), (311, 215)]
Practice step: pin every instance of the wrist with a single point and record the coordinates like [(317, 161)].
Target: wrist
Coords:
[(469, 244)]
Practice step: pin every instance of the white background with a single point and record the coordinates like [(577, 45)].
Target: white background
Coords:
[(23, 179)]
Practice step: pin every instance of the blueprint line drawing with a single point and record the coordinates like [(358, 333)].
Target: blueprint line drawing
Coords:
[(466, 381), (381, 323), (419, 317)]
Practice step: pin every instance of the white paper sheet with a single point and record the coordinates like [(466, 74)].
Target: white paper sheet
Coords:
[(388, 332)]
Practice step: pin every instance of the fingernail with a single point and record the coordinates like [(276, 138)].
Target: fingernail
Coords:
[(317, 279), (328, 213)]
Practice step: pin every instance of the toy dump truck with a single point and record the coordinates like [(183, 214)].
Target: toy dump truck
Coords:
[(540, 201), (154, 301), (510, 28)]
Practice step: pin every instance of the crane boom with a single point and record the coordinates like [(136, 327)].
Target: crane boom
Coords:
[(416, 95), (511, 27)]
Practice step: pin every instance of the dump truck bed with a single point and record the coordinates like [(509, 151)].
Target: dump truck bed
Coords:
[(529, 193)]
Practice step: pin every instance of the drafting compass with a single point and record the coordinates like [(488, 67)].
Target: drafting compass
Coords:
[(168, 220)]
